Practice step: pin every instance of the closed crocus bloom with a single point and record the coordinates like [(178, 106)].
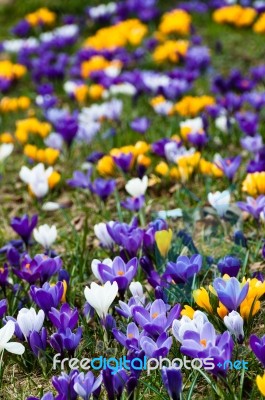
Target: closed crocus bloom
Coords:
[(136, 187), (172, 380), (5, 151), (28, 321), (188, 311), (101, 297), (260, 380), (37, 179), (163, 241), (184, 268), (234, 323), (202, 299), (5, 335), (102, 234), (229, 265), (251, 303), (220, 201), (258, 347), (45, 235)]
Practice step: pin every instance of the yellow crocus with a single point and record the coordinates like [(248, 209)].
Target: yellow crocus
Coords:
[(260, 380), (53, 179), (188, 311), (163, 241), (105, 165), (202, 299), (254, 184)]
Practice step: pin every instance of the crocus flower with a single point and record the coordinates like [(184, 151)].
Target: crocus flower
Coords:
[(45, 235), (80, 179), (229, 166), (163, 240), (102, 234), (5, 150), (5, 335), (103, 187), (64, 318), (140, 125), (137, 187), (29, 321), (184, 268), (46, 396), (40, 267), (86, 384), (133, 203), (37, 178), (158, 348), (207, 344), (132, 337), (3, 307), (260, 380), (24, 226), (258, 347), (172, 380), (123, 161), (229, 265), (156, 320), (47, 296), (220, 201), (119, 272), (129, 237), (234, 323), (64, 384), (179, 327), (38, 341), (67, 126), (114, 382), (253, 206), (101, 297), (66, 340), (230, 292)]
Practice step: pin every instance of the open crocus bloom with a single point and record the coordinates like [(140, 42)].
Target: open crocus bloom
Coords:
[(5, 335), (37, 179)]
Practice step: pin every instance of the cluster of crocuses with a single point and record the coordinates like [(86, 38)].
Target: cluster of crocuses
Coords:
[(154, 292)]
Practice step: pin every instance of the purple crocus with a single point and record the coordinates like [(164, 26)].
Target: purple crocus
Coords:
[(229, 265), (158, 348), (118, 271), (80, 179), (156, 320), (103, 187), (229, 166), (133, 203), (66, 340), (24, 226), (206, 344), (4, 275), (131, 339), (47, 296), (172, 380), (3, 307), (40, 267), (123, 161), (67, 126), (65, 318), (198, 139), (258, 347), (64, 384), (87, 384), (46, 396), (184, 268), (114, 382), (38, 341), (253, 206), (128, 236), (140, 125), (230, 292)]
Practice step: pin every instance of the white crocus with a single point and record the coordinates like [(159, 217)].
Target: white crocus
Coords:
[(28, 321), (234, 323), (103, 235), (37, 179), (101, 297), (94, 267), (6, 334), (5, 150), (137, 291), (194, 125), (51, 206), (137, 187), (179, 327), (220, 201), (45, 235)]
